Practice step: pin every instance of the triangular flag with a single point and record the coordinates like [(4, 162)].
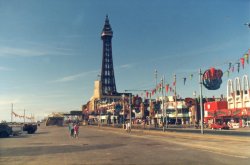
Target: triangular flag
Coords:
[(238, 68), (174, 83), (159, 87), (232, 69), (184, 80), (242, 60), (230, 65), (246, 56), (167, 87)]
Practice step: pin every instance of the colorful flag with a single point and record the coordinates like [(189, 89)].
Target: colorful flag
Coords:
[(242, 60), (232, 69), (167, 87), (230, 65), (246, 56), (174, 83), (184, 80), (238, 68)]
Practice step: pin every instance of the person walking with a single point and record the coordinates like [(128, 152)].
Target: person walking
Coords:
[(128, 127), (71, 129), (76, 130)]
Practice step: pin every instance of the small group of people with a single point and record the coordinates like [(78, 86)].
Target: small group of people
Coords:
[(73, 130)]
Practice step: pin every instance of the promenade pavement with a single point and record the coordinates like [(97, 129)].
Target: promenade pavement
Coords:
[(108, 145)]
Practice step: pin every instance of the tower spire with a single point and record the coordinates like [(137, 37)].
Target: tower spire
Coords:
[(107, 30)]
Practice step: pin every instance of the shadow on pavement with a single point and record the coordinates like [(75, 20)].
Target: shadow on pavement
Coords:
[(41, 133), (45, 150)]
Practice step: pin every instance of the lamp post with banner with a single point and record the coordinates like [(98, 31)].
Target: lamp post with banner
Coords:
[(163, 108), (123, 98), (201, 106)]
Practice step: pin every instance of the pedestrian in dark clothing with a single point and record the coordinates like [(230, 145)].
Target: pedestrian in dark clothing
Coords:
[(71, 129)]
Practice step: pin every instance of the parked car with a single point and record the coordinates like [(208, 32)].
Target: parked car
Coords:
[(30, 128), (5, 130), (219, 126)]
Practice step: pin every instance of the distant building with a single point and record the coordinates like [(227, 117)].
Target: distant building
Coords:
[(55, 119)]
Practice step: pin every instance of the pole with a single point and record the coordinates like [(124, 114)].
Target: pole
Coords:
[(156, 96), (24, 116), (113, 105), (176, 111), (123, 96), (101, 114), (163, 109), (130, 121), (155, 77), (195, 109), (201, 106), (11, 115), (150, 111)]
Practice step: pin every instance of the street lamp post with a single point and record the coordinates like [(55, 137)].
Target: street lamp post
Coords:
[(11, 114), (176, 110), (123, 98), (24, 116), (163, 109), (130, 113), (113, 105), (201, 106), (194, 112), (156, 96)]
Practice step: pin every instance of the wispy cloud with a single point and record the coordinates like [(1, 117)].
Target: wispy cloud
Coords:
[(8, 101), (2, 68), (74, 76), (125, 66), (6, 51)]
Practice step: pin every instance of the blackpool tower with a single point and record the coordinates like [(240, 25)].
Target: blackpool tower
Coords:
[(107, 73)]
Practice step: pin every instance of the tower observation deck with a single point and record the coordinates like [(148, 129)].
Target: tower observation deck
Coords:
[(107, 73)]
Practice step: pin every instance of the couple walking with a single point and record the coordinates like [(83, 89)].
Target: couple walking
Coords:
[(73, 130)]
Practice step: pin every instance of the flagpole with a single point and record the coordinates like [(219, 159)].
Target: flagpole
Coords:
[(163, 109), (156, 95), (150, 110), (24, 116), (165, 93), (176, 111), (11, 119), (201, 106)]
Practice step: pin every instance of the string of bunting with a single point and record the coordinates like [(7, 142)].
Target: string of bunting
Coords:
[(22, 116), (212, 72)]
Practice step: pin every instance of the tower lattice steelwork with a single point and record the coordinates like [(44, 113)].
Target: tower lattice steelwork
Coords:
[(107, 72)]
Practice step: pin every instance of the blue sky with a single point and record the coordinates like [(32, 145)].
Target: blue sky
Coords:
[(50, 51)]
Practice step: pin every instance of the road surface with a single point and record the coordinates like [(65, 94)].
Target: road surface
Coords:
[(52, 145)]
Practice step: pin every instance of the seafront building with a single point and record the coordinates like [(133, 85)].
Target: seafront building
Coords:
[(111, 107)]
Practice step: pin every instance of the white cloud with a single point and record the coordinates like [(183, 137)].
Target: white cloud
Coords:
[(74, 77), (8, 101), (24, 52), (8, 51), (2, 68), (126, 66)]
